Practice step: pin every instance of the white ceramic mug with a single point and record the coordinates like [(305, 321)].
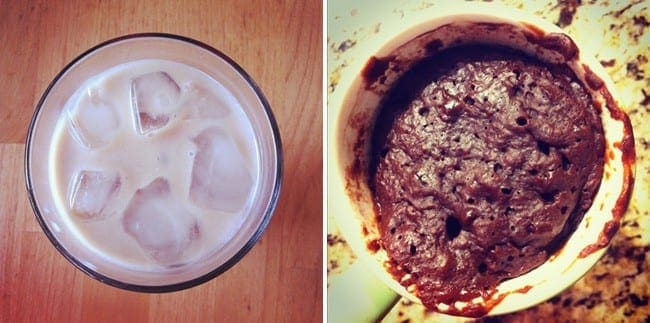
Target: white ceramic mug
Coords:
[(352, 108)]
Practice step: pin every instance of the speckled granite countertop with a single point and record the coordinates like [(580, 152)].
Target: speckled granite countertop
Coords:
[(617, 289)]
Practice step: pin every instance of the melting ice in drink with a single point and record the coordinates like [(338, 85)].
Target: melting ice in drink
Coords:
[(162, 198), (161, 225), (220, 179), (154, 99), (91, 193), (93, 121), (203, 103)]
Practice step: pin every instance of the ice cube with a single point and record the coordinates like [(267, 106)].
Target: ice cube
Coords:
[(203, 103), (93, 121), (91, 193), (220, 178), (154, 99), (159, 223)]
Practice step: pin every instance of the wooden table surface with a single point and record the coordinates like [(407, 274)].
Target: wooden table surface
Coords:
[(279, 43)]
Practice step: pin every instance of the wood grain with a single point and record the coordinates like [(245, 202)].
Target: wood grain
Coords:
[(279, 43)]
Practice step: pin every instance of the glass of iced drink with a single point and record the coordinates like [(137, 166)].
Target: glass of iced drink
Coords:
[(153, 162)]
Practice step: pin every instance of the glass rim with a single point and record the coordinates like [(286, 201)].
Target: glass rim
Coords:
[(270, 206)]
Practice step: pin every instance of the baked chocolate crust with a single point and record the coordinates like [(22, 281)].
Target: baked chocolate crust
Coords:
[(483, 162)]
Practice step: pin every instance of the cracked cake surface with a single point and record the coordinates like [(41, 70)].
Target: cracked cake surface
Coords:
[(483, 161)]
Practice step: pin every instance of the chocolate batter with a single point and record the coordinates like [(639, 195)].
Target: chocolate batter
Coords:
[(483, 162)]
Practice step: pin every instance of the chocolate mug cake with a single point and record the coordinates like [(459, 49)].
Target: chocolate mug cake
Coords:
[(483, 161), (479, 161)]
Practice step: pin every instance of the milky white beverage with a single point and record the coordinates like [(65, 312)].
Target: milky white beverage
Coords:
[(154, 165)]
